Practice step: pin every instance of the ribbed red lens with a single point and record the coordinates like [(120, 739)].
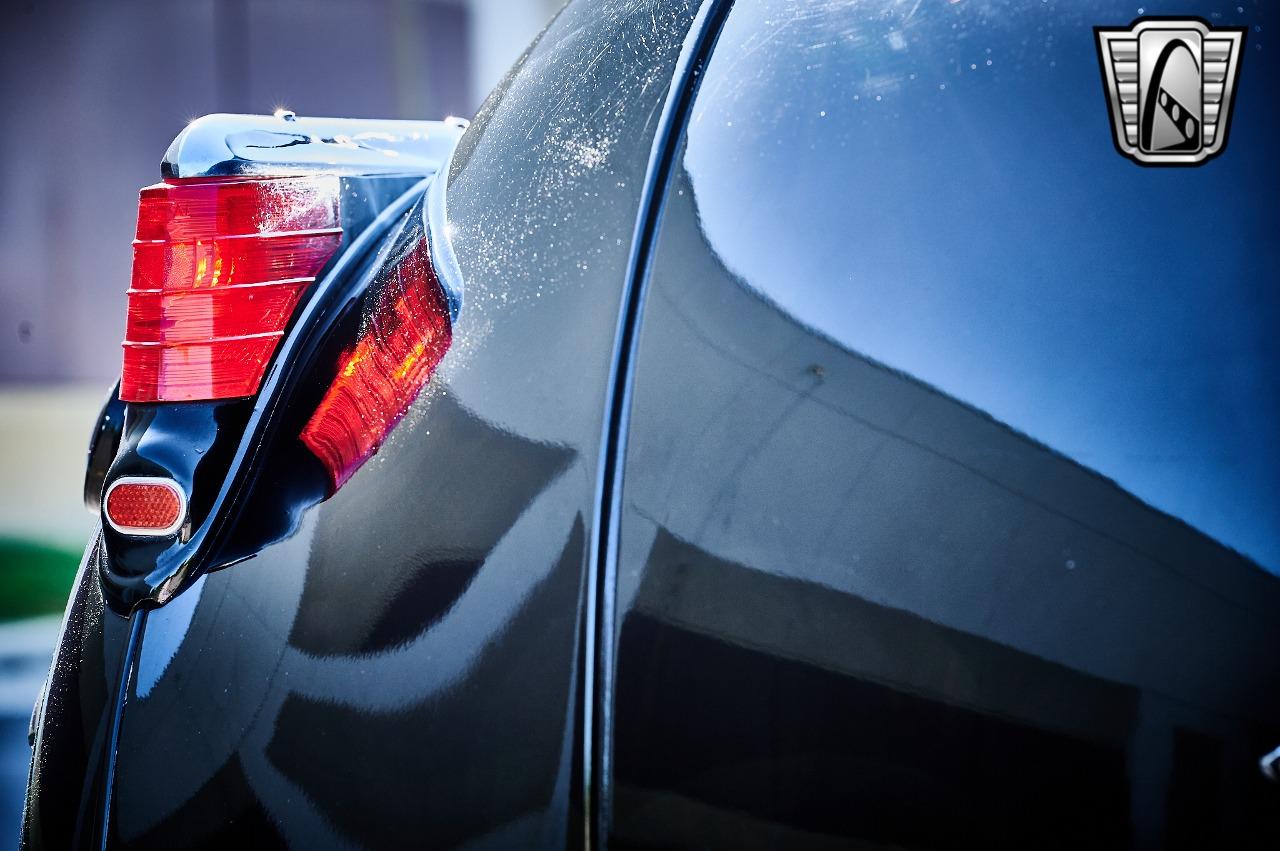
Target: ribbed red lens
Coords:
[(144, 506), (218, 268), (204, 208), (403, 340), (221, 369), (198, 316), (230, 261)]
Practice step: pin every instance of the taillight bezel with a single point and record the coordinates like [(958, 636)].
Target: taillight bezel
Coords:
[(146, 531)]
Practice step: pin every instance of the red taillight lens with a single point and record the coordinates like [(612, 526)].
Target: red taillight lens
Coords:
[(401, 342), (218, 267), (145, 506)]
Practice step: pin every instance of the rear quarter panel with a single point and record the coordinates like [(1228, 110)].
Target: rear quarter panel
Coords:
[(933, 395)]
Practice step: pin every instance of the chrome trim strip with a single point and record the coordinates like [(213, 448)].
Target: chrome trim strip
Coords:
[(602, 569), (111, 755), (439, 239), (223, 144)]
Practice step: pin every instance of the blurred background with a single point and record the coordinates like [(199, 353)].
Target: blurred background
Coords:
[(91, 95)]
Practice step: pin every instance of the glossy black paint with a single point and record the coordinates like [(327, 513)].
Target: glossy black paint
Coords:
[(74, 720), (407, 666), (104, 441), (845, 616), (855, 608)]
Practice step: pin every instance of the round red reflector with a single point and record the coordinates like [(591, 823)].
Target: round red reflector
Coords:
[(145, 506)]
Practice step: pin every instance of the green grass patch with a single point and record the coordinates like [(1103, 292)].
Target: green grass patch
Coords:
[(35, 579)]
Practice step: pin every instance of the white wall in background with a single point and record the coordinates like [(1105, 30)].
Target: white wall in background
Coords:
[(500, 31), (44, 441)]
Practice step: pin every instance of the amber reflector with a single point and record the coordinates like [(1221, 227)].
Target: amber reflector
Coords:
[(405, 335), (145, 506)]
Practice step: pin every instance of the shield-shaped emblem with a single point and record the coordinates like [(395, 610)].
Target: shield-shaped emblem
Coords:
[(1170, 83)]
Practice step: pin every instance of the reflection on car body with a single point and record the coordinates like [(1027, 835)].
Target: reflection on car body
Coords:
[(838, 446)]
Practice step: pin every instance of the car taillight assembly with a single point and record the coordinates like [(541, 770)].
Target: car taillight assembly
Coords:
[(405, 331), (218, 267)]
